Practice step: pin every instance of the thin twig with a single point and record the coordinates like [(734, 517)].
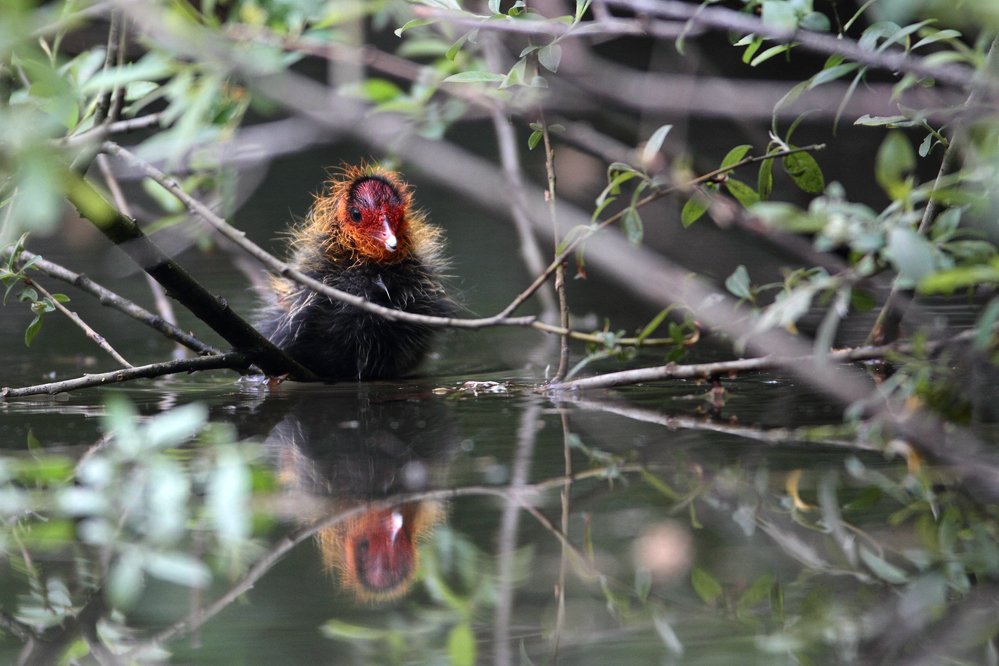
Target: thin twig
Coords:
[(159, 294), (611, 27), (114, 113), (110, 299), (563, 305), (510, 159), (228, 360), (708, 370), (110, 60), (120, 127), (75, 318)]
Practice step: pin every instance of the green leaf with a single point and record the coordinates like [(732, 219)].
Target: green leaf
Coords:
[(705, 585), (910, 254), (739, 285), (861, 300), (174, 427), (779, 14), (539, 82), (461, 646), (805, 172), (643, 583), (894, 160), (752, 46), (985, 328), (28, 294), (379, 91), (885, 121), (632, 223), (353, 632), (453, 51), (125, 582), (651, 327), (550, 56), (178, 568), (746, 195), (415, 23), (151, 67), (936, 37), (756, 592), (770, 53), (946, 282), (32, 330), (532, 140), (162, 196), (815, 21), (660, 485), (655, 143), (831, 74), (735, 155), (765, 180), (474, 77), (695, 207), (494, 6), (882, 569)]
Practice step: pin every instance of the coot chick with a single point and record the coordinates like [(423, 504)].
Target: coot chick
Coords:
[(362, 236)]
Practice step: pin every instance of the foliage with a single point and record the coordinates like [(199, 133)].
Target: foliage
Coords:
[(193, 72), (131, 502)]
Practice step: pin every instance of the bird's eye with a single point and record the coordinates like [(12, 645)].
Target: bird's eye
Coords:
[(355, 214)]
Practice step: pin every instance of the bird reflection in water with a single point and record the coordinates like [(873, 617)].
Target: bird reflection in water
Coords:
[(339, 452)]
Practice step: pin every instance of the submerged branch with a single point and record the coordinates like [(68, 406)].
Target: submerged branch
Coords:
[(228, 361)]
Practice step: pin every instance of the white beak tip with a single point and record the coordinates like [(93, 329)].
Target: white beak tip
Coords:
[(391, 243)]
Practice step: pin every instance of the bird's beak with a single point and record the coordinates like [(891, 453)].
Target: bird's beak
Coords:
[(390, 240)]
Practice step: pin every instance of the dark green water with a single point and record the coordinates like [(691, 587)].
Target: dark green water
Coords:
[(750, 529)]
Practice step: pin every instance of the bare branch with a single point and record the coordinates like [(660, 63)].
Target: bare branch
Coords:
[(75, 318), (228, 360), (774, 362), (98, 134), (110, 299), (563, 306)]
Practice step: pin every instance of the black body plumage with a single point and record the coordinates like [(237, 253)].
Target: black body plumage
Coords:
[(339, 341)]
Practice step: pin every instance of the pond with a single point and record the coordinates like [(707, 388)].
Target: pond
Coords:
[(461, 516)]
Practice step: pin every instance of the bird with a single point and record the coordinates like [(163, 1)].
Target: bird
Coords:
[(362, 236)]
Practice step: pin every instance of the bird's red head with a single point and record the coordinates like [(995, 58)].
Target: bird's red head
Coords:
[(367, 212), (377, 553)]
